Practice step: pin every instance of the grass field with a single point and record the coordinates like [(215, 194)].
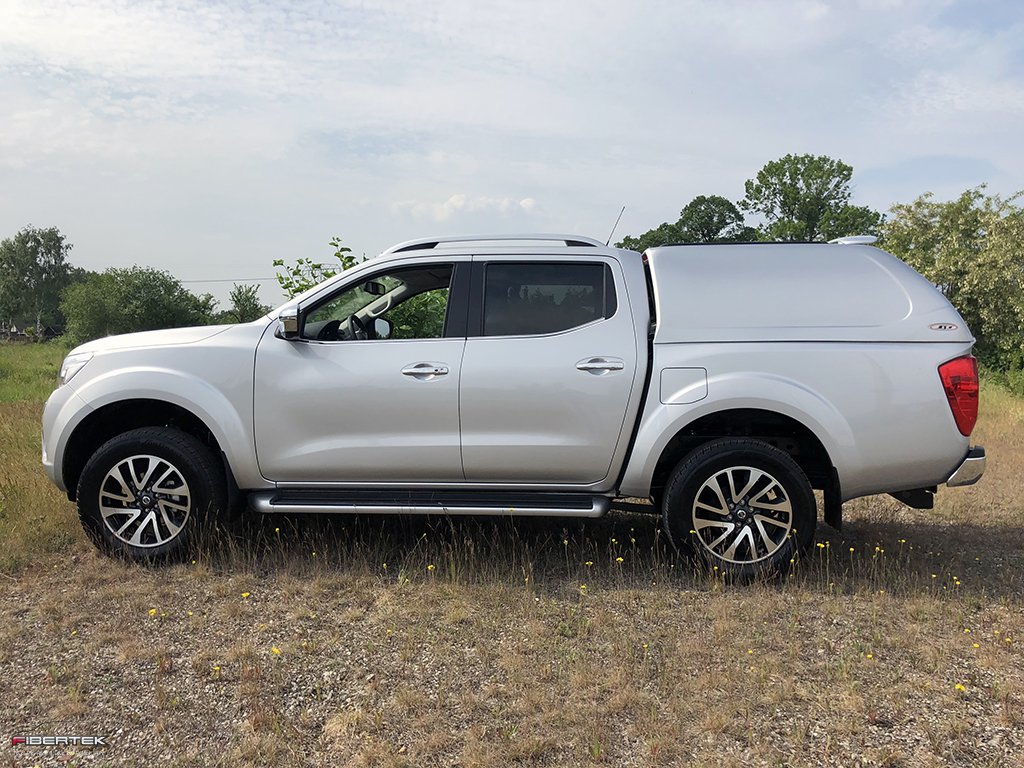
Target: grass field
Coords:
[(400, 642)]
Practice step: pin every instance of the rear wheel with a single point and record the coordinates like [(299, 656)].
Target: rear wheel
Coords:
[(147, 493), (742, 505)]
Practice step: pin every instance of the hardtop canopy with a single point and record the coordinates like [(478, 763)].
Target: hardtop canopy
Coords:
[(795, 292)]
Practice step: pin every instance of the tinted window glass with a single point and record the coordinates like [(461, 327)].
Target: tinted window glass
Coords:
[(527, 299)]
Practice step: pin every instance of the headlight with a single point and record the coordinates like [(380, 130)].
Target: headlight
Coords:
[(73, 364)]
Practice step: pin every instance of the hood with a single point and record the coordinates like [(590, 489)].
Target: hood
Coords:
[(167, 337)]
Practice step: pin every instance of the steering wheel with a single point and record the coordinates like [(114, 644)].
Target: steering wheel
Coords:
[(357, 328), (329, 331)]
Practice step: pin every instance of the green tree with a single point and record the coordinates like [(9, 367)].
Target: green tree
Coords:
[(129, 300), (971, 249), (307, 273), (245, 304), (807, 197), (421, 317), (705, 219), (33, 271)]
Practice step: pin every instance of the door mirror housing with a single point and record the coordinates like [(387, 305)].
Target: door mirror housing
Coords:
[(288, 323), (381, 328)]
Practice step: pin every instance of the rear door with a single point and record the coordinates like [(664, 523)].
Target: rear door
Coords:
[(548, 370)]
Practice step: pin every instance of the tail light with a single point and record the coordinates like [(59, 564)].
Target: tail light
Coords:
[(960, 380)]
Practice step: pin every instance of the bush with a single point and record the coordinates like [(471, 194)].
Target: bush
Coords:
[(129, 300)]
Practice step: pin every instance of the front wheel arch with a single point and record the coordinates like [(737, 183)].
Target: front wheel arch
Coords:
[(117, 418)]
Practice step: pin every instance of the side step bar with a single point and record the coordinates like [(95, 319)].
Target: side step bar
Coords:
[(342, 502)]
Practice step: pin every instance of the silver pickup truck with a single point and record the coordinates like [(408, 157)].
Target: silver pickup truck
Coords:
[(541, 375)]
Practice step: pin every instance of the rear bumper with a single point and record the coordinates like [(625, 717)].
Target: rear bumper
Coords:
[(971, 468)]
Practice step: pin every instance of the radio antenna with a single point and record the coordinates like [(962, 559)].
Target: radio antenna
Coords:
[(615, 225)]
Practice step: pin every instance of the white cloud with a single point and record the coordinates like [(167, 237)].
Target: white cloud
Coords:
[(461, 203)]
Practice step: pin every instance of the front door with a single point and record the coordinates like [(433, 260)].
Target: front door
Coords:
[(369, 392)]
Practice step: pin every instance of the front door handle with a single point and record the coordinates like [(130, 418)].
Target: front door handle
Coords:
[(425, 371), (600, 365)]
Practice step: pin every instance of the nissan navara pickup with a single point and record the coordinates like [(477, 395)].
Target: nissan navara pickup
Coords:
[(540, 375)]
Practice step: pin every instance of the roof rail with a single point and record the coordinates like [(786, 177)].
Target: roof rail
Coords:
[(854, 240), (426, 243)]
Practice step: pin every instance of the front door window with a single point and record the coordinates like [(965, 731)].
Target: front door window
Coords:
[(408, 303)]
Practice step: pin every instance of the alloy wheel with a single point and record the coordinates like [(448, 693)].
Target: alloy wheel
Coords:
[(742, 515), (144, 501)]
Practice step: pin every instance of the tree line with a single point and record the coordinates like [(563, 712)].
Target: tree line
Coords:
[(801, 198), (42, 295), (971, 248)]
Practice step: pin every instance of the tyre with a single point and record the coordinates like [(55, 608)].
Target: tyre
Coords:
[(741, 505), (148, 493)]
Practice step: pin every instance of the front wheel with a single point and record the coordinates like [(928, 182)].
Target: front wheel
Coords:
[(144, 494), (741, 505)]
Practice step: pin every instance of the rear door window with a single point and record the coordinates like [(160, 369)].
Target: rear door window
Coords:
[(527, 299)]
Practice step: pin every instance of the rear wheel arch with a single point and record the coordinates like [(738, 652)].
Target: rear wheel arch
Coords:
[(742, 505), (776, 429)]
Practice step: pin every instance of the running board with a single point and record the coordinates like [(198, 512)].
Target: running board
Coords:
[(340, 502)]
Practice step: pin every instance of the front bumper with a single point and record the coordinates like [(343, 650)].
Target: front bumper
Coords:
[(971, 468), (62, 412)]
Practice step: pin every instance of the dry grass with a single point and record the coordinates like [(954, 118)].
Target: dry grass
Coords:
[(527, 643)]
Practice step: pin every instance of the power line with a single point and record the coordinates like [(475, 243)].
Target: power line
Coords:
[(231, 280)]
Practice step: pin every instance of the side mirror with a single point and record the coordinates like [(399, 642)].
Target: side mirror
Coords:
[(381, 328), (288, 323)]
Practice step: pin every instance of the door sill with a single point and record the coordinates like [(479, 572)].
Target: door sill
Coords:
[(336, 501)]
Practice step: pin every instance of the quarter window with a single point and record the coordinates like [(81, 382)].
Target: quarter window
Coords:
[(529, 299)]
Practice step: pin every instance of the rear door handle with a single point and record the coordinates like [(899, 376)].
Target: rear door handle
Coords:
[(600, 365), (425, 371)]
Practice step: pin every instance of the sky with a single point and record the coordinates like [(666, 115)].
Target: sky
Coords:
[(209, 138)]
